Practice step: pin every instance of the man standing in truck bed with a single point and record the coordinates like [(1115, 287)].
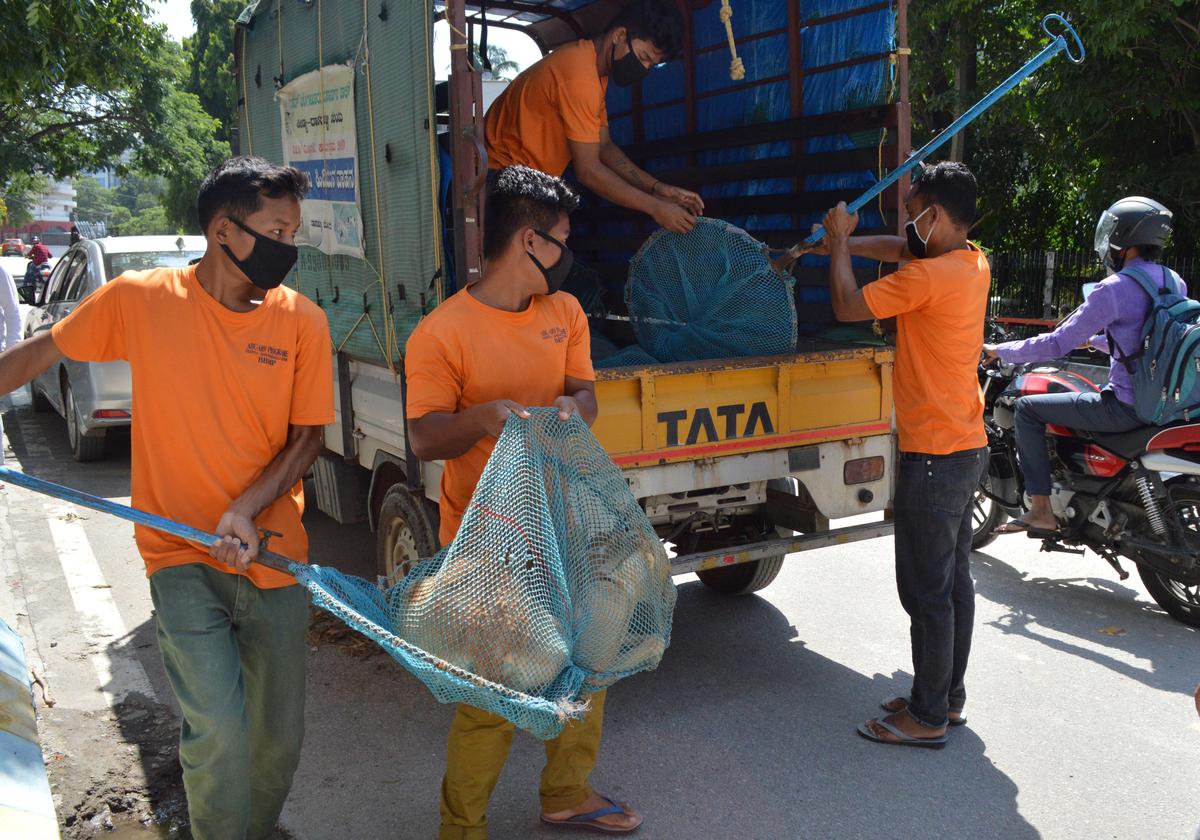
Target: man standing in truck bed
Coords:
[(505, 343), (939, 298), (553, 114)]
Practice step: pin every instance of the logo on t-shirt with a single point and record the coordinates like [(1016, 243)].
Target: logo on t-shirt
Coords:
[(267, 355), (559, 334)]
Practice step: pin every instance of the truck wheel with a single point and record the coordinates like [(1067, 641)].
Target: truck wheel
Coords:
[(743, 578), (83, 447), (407, 532)]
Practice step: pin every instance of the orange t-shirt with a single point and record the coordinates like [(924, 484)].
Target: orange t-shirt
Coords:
[(214, 392), (465, 353), (941, 304), (558, 99)]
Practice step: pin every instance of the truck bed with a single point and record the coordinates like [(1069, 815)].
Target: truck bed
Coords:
[(688, 411)]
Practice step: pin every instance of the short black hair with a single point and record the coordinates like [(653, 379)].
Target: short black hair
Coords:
[(521, 197), (657, 21), (1150, 253), (951, 185), (237, 186)]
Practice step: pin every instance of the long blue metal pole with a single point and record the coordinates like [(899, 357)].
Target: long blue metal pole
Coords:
[(1059, 44), (132, 514)]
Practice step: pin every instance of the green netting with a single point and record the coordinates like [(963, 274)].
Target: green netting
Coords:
[(708, 294), (555, 586), (374, 304)]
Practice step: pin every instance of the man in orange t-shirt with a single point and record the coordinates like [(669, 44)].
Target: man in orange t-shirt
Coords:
[(553, 114), (232, 386), (507, 342), (939, 298)]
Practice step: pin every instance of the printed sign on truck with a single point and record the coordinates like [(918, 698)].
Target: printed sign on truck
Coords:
[(320, 139)]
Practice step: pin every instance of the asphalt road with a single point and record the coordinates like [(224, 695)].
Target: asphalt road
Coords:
[(1081, 718)]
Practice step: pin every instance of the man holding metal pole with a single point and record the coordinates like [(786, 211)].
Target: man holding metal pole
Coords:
[(939, 298), (232, 388)]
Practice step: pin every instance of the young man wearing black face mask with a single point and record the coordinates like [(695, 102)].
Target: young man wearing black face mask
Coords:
[(553, 114), (939, 298), (509, 341), (232, 386)]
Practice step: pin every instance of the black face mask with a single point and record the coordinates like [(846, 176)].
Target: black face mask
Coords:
[(627, 70), (269, 262), (917, 246), (556, 274)]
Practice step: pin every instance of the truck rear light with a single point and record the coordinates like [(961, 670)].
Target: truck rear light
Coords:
[(110, 414), (862, 470)]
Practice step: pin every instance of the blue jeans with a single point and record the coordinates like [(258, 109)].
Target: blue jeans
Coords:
[(1090, 412), (933, 574)]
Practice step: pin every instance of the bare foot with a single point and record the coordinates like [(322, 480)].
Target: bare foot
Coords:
[(626, 821), (907, 724)]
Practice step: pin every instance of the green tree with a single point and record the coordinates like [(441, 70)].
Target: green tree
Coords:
[(17, 198), (1070, 140), (149, 223), (209, 53)]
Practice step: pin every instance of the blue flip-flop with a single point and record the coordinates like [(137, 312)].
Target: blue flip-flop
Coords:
[(903, 739), (590, 819)]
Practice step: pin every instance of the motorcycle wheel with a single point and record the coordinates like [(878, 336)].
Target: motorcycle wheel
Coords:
[(1181, 601), (986, 517)]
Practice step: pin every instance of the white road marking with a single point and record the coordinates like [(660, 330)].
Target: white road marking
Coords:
[(117, 669)]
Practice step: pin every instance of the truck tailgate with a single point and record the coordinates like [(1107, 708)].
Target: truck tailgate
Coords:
[(690, 411)]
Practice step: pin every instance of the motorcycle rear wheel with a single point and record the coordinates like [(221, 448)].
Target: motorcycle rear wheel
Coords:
[(1181, 601), (986, 517)]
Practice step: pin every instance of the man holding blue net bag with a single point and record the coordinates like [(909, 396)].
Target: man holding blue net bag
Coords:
[(492, 350)]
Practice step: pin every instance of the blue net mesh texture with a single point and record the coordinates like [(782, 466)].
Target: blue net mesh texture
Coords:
[(709, 294), (555, 586)]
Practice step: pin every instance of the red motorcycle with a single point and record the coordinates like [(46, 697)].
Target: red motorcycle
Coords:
[(1128, 495)]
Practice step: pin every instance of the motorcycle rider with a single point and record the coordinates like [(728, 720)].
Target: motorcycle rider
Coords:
[(39, 254), (1130, 233)]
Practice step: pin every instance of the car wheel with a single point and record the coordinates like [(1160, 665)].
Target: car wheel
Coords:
[(83, 447)]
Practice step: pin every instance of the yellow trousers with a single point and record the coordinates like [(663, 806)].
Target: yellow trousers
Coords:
[(475, 755)]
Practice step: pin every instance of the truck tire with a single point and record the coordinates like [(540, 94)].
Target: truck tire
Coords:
[(745, 578), (84, 448), (407, 532)]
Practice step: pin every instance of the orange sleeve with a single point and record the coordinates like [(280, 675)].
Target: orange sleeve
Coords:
[(312, 389), (581, 104), (579, 346), (906, 290), (96, 330), (434, 383)]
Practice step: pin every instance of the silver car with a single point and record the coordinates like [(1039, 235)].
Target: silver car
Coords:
[(96, 397)]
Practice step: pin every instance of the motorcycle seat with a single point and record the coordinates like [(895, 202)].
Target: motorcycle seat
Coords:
[(1131, 444)]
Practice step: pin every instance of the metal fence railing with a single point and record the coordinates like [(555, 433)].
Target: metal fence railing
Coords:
[(1044, 286)]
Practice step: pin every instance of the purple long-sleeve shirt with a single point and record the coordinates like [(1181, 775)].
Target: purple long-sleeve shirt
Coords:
[(1117, 306)]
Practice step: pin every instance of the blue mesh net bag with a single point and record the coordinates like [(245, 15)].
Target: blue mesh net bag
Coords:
[(555, 586), (709, 294)]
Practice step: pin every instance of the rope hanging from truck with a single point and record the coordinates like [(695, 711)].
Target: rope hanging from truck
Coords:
[(737, 70)]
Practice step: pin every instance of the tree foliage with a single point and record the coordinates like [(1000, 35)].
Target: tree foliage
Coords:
[(1072, 139)]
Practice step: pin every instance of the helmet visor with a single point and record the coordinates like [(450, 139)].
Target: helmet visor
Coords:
[(1104, 230)]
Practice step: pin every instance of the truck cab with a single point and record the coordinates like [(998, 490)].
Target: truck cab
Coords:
[(738, 461)]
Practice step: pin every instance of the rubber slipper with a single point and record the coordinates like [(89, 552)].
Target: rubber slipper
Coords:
[(1020, 526), (590, 820), (903, 739), (961, 720)]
